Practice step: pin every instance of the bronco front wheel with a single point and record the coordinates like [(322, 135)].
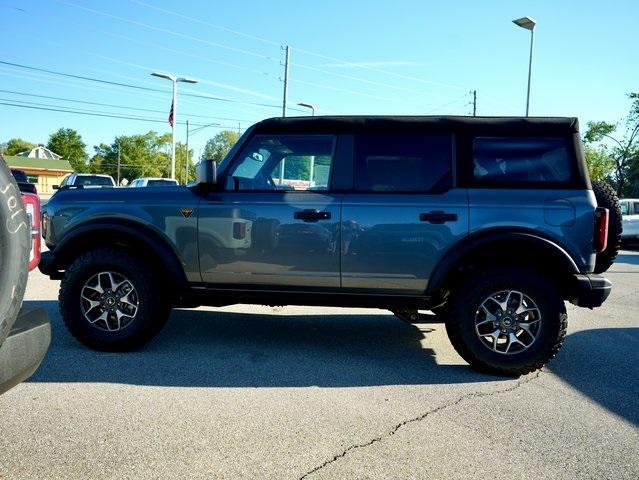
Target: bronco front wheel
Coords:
[(507, 321), (110, 300)]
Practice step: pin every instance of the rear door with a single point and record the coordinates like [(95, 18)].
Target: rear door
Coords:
[(403, 213), (275, 221)]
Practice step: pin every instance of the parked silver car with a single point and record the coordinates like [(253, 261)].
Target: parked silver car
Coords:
[(630, 216), (153, 182)]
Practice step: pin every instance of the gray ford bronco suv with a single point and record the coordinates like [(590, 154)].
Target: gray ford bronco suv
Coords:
[(491, 223)]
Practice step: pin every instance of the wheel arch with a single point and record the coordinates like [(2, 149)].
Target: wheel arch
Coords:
[(131, 236), (512, 248)]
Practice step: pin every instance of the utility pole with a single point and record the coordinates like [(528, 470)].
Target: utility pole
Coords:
[(239, 128), (286, 66), (186, 164), (118, 163), (474, 103)]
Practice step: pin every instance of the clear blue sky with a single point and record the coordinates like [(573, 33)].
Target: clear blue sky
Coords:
[(348, 57)]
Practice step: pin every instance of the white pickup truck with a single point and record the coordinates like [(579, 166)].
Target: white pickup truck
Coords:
[(630, 216)]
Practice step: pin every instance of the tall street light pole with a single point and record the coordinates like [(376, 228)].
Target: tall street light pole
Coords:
[(528, 24), (308, 105), (174, 79)]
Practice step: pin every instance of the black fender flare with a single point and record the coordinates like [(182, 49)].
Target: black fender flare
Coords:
[(474, 243), (153, 242)]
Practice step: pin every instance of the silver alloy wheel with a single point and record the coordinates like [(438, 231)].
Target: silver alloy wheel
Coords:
[(508, 322), (109, 301)]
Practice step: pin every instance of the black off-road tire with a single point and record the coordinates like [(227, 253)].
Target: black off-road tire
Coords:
[(607, 198), (14, 250), (466, 301), (153, 308)]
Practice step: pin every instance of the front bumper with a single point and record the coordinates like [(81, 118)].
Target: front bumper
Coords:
[(48, 267), (25, 347), (590, 290)]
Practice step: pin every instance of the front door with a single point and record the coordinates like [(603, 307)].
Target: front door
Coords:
[(275, 222), (403, 214)]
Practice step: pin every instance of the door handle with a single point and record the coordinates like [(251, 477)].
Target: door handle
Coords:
[(312, 215), (437, 217)]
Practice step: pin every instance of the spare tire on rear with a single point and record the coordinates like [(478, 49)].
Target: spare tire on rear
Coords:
[(14, 250), (607, 198)]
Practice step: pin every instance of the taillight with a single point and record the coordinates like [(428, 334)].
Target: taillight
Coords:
[(32, 207), (239, 230), (601, 229)]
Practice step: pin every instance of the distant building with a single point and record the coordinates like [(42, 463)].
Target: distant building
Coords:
[(40, 152), (43, 167)]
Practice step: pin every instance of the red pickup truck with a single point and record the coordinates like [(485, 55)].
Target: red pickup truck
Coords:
[(25, 334)]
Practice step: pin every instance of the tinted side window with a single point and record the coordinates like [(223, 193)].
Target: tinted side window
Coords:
[(624, 208), (283, 162), (501, 160), (402, 163)]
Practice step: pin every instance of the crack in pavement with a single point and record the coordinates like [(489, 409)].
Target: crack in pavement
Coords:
[(419, 418)]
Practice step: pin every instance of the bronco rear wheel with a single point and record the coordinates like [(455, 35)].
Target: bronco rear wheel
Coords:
[(607, 198), (110, 300), (507, 321)]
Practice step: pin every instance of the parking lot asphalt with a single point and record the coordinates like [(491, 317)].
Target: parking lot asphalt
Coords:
[(308, 392)]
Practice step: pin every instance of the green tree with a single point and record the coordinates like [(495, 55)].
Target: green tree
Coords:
[(68, 143), (600, 163), (15, 146), (218, 146), (623, 144), (183, 174), (143, 155)]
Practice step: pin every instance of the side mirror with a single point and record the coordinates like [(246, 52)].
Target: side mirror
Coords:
[(56, 187), (206, 172)]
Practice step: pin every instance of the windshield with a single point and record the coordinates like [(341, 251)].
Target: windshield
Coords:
[(94, 181), (161, 183), (20, 176)]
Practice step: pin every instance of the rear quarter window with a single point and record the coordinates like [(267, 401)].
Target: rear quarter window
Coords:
[(508, 161)]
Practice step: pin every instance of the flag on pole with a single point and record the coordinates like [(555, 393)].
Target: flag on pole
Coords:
[(171, 115)]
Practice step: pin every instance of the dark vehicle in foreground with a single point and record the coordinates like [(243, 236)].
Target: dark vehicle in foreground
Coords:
[(490, 222), (23, 182), (25, 333)]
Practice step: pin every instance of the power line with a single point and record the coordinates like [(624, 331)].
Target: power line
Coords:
[(146, 69), (85, 102), (138, 87), (251, 53), (379, 70), (170, 32), (367, 81), (81, 77), (457, 100), (208, 24), (34, 106), (189, 54), (354, 92), (303, 51)]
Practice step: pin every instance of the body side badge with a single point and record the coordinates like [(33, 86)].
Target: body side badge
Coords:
[(186, 212)]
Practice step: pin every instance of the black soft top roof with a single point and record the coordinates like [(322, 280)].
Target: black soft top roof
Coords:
[(457, 124)]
